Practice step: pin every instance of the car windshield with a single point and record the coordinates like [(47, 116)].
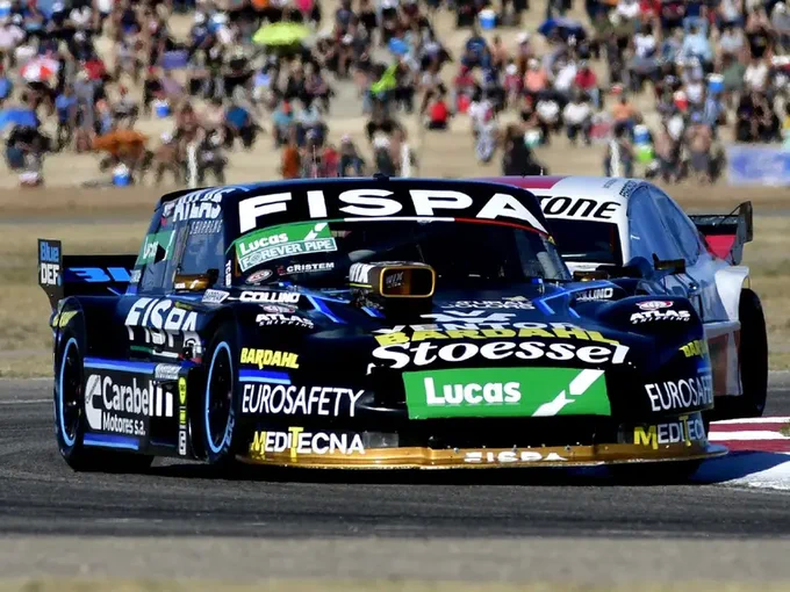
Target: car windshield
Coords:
[(583, 241), (320, 254)]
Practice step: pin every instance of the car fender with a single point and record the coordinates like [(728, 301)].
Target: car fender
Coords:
[(729, 282)]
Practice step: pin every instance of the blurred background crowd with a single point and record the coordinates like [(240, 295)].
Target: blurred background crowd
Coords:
[(173, 91)]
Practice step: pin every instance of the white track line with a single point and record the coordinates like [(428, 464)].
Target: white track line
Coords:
[(746, 420), (26, 402), (746, 435)]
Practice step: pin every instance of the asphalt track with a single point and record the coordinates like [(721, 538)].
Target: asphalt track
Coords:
[(181, 520)]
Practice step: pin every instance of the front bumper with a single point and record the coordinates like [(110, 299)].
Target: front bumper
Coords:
[(427, 458)]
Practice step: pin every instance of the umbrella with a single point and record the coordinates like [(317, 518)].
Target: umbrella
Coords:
[(566, 27), (24, 117), (40, 69), (280, 34)]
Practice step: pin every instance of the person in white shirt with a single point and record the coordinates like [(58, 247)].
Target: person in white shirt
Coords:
[(577, 116), (756, 75)]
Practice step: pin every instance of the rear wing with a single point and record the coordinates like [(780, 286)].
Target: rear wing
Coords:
[(69, 275), (727, 233)]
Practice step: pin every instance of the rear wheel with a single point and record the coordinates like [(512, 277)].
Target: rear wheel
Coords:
[(70, 418), (753, 356)]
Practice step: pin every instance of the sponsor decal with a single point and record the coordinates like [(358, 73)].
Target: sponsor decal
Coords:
[(152, 243), (278, 308), (287, 297), (660, 315), (505, 392), (164, 372), (578, 207), (205, 227), (214, 296), (269, 357), (267, 319), (229, 272), (120, 406), (182, 416), (48, 263), (94, 275), (297, 441), (685, 393), (306, 268), (696, 348), (510, 457), (284, 241), (426, 353), (378, 203), (564, 332), (259, 276), (359, 273), (204, 204), (594, 294), (688, 429), (505, 304), (62, 319), (134, 278), (654, 304), (160, 319), (279, 399)]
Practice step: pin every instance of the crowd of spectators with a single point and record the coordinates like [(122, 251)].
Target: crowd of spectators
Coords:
[(662, 84)]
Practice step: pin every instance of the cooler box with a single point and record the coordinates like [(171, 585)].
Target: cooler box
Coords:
[(487, 19)]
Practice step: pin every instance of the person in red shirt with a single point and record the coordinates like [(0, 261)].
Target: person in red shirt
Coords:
[(587, 82), (438, 114)]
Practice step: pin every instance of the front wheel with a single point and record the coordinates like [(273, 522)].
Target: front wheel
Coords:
[(70, 419), (219, 403)]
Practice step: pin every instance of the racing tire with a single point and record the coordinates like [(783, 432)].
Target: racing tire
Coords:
[(70, 419), (753, 357), (219, 404)]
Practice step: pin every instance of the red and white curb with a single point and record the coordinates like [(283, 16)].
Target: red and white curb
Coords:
[(762, 434), (759, 453)]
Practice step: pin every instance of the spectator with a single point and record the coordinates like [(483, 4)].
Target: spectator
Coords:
[(350, 165), (66, 107), (619, 161), (700, 140), (291, 159), (577, 116), (696, 45), (438, 114), (283, 120)]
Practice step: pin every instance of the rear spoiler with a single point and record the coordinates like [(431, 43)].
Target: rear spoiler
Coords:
[(727, 233), (69, 275)]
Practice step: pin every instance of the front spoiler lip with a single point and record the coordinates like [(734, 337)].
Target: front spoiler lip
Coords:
[(550, 457)]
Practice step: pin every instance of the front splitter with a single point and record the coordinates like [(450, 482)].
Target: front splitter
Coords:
[(480, 458)]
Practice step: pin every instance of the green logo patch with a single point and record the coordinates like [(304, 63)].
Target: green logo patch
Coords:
[(284, 241), (506, 392), (150, 245)]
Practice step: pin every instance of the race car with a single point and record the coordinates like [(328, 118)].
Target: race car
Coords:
[(614, 227), (368, 323)]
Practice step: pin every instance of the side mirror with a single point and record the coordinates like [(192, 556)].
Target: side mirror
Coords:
[(195, 282), (591, 275), (671, 266)]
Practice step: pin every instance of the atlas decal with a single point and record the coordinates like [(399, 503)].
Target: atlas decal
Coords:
[(288, 320), (204, 204), (378, 203), (279, 399), (660, 315), (686, 393), (297, 441)]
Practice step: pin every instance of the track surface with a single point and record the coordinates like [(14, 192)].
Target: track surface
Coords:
[(360, 525)]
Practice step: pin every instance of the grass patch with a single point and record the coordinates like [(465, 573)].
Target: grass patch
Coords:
[(25, 338)]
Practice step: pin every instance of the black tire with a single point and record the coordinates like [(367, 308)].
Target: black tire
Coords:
[(753, 354), (70, 420), (219, 409)]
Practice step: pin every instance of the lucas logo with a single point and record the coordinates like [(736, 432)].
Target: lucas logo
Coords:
[(490, 393)]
